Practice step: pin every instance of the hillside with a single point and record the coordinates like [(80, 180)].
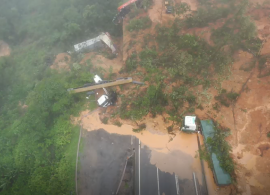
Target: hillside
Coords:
[(214, 64), (210, 58)]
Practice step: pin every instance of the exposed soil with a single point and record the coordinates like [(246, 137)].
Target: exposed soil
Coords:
[(61, 62), (134, 41), (252, 113), (156, 11), (4, 49), (22, 106), (100, 61)]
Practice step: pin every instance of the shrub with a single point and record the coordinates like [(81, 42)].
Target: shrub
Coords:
[(131, 63), (140, 128), (191, 99), (232, 96), (105, 120), (117, 123), (147, 54), (139, 24), (181, 8), (226, 98), (262, 61)]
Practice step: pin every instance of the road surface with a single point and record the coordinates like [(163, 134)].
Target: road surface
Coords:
[(149, 179), (102, 162)]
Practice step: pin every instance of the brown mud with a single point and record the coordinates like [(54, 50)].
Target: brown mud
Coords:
[(163, 145), (61, 62), (106, 64)]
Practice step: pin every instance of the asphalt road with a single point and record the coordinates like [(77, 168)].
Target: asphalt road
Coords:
[(103, 159), (150, 180), (102, 162)]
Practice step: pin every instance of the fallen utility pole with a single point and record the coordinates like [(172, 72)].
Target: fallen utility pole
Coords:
[(101, 85)]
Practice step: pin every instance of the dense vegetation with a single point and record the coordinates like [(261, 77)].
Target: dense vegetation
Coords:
[(37, 140)]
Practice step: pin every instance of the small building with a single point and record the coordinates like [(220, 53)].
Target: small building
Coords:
[(99, 42), (222, 178)]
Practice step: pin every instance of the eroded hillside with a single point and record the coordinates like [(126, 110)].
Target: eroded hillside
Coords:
[(213, 63)]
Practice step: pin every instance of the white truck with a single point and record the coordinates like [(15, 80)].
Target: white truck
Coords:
[(190, 124), (103, 99)]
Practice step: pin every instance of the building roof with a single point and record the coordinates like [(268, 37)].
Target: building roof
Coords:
[(221, 176), (104, 37), (86, 44)]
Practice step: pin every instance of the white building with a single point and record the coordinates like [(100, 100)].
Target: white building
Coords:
[(96, 43)]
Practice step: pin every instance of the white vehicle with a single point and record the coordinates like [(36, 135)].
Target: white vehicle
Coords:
[(102, 99), (190, 124)]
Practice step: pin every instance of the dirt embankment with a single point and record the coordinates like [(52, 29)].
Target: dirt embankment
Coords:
[(249, 118), (4, 49), (113, 65)]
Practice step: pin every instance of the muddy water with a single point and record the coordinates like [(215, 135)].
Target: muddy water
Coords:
[(172, 154)]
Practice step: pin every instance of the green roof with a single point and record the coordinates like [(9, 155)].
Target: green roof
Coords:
[(221, 176)]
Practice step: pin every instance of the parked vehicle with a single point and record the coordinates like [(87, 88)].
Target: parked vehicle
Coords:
[(190, 124)]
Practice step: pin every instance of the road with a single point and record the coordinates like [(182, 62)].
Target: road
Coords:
[(102, 162), (149, 179)]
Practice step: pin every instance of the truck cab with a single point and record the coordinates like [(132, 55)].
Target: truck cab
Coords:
[(190, 124), (102, 95)]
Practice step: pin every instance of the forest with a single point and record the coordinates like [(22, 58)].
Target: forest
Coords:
[(37, 140)]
